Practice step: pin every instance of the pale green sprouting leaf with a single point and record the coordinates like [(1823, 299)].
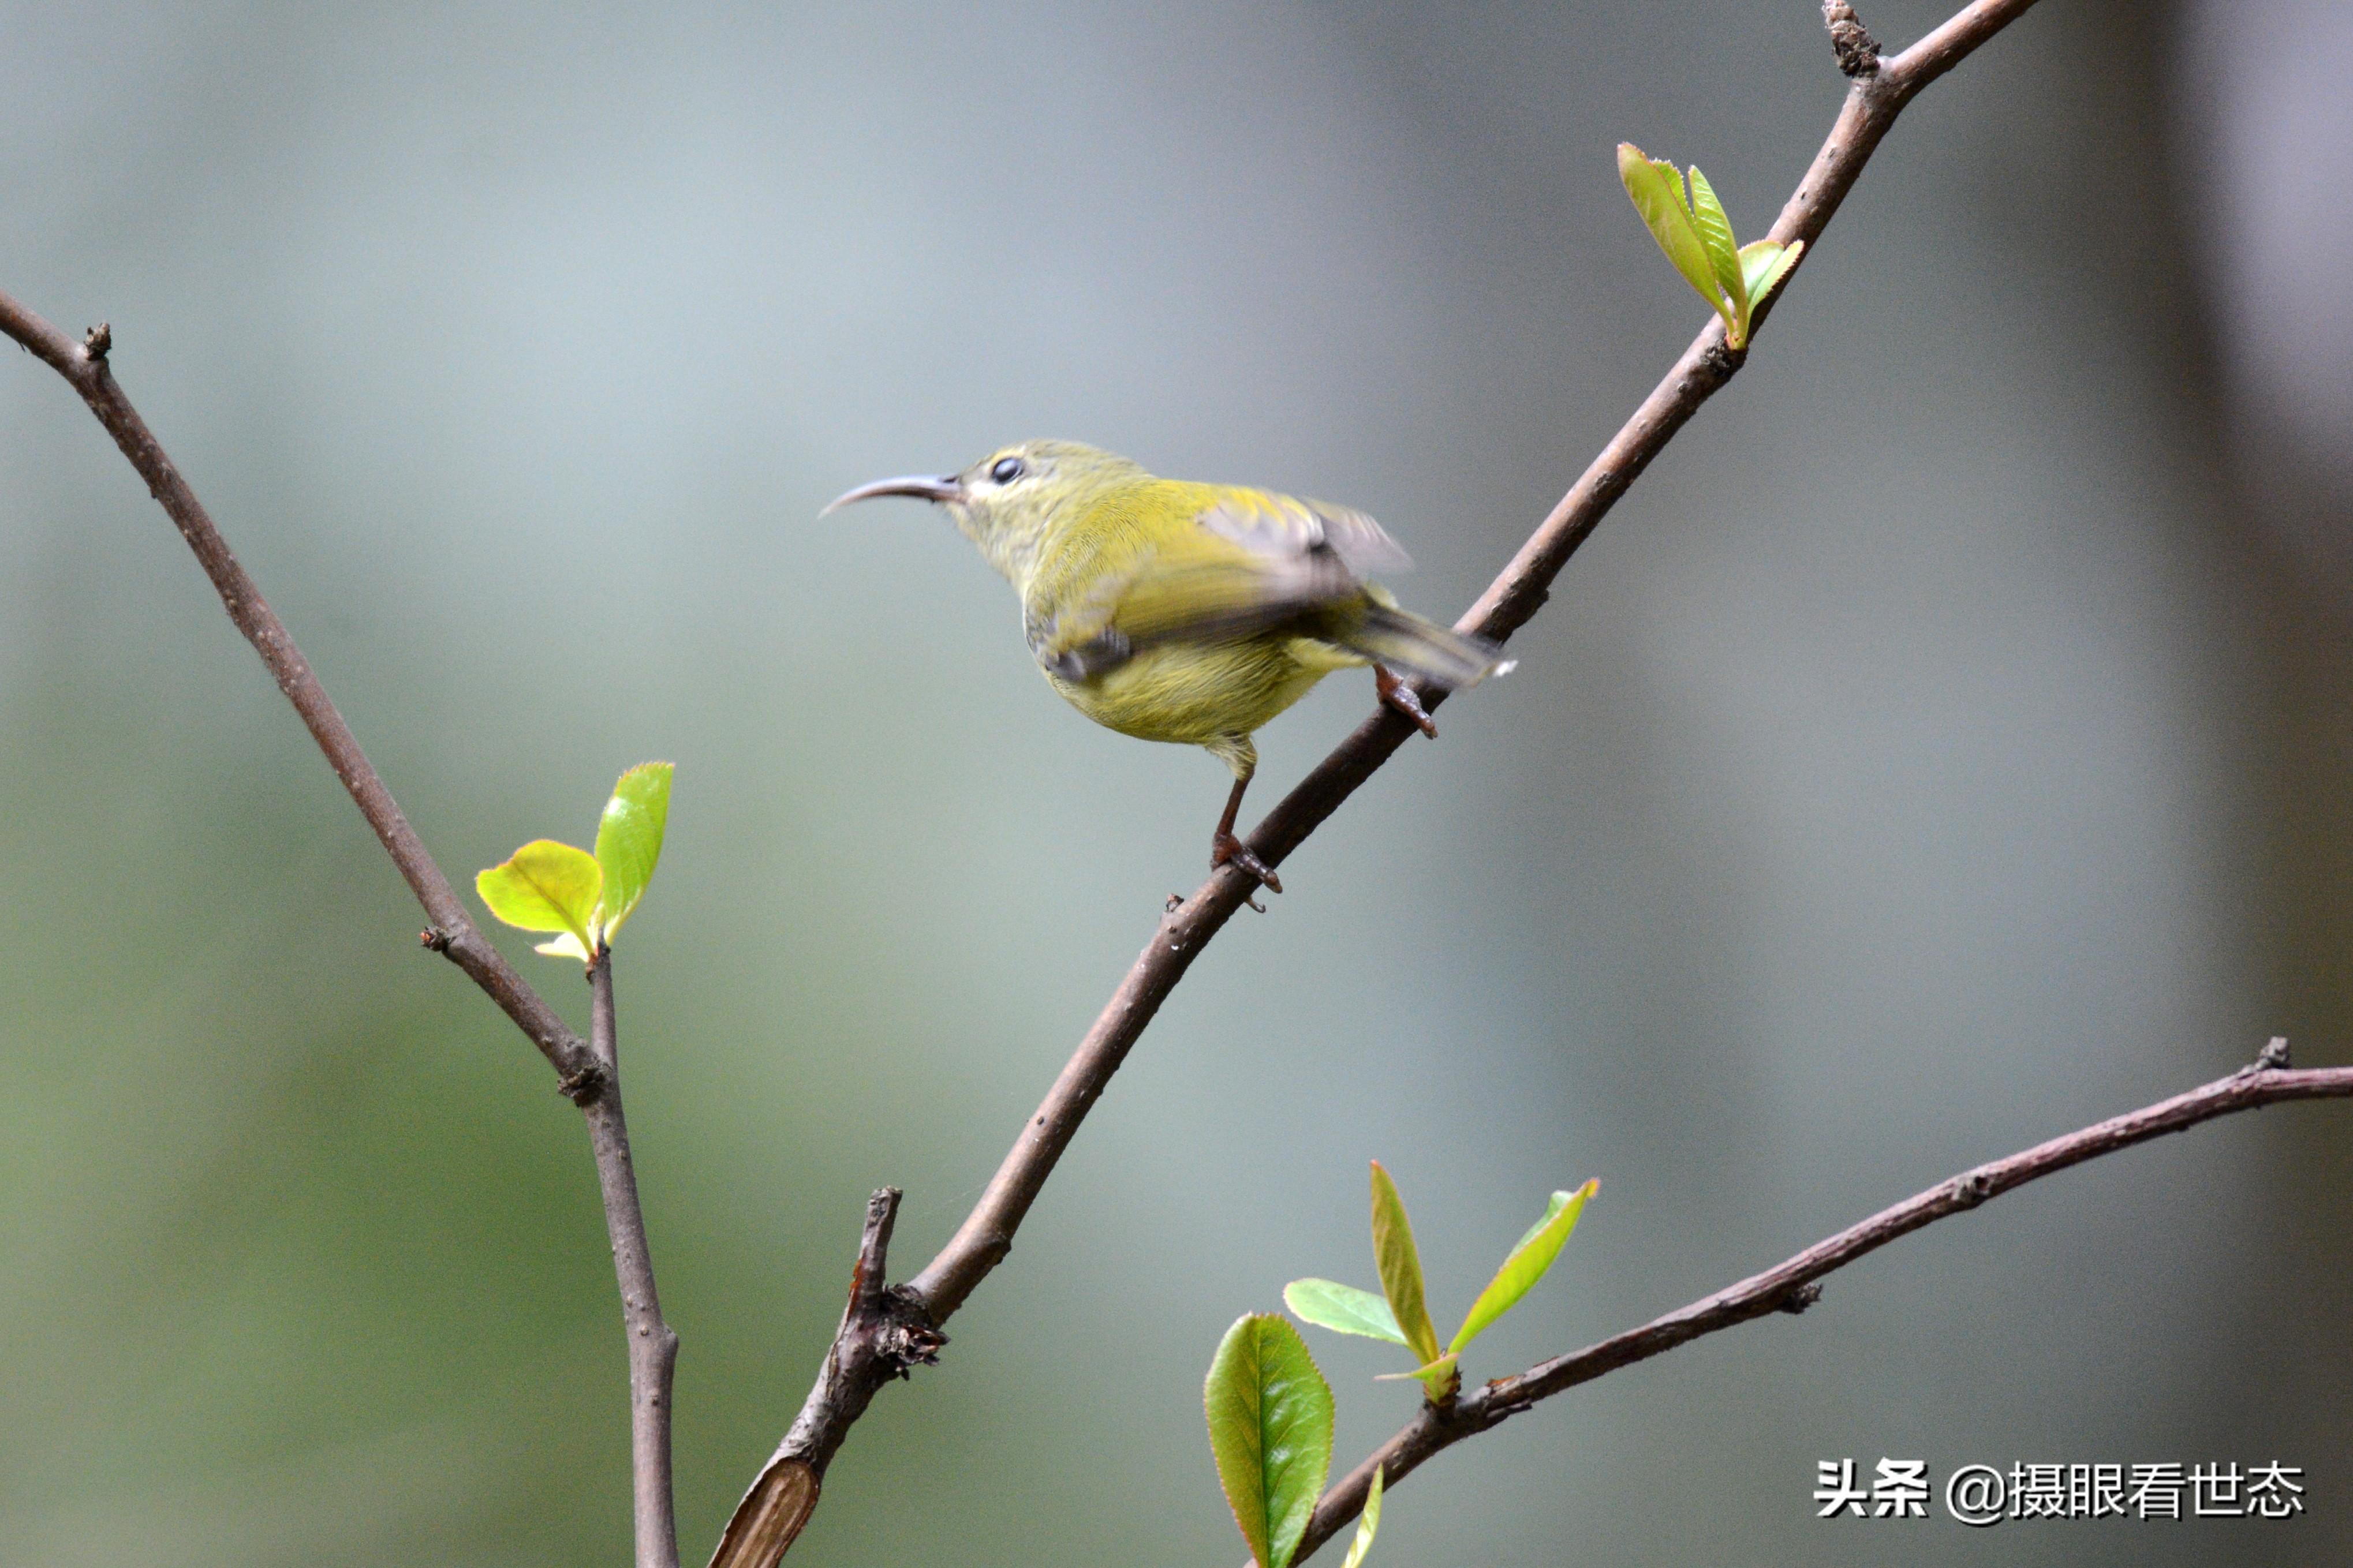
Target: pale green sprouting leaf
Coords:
[(629, 839), (1367, 1522), (564, 946), (1657, 190), (1343, 1307), (1527, 1263), (1764, 263), (1723, 254), (1270, 1414), (1439, 1379), (546, 886), (1400, 1267)]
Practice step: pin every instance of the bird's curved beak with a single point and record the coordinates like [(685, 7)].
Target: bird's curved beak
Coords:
[(922, 487)]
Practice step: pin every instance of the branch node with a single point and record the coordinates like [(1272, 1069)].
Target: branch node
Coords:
[(98, 340), (1799, 1299), (901, 1334), (433, 938), (888, 1323), (584, 1084), (1972, 1188), (1851, 41), (2274, 1056)]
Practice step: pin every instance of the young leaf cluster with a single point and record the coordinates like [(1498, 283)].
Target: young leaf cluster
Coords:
[(1400, 1315), (1270, 1414), (550, 886), (1691, 228)]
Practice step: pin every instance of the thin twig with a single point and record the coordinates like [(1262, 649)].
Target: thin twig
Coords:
[(453, 933), (981, 1243), (1790, 1286), (587, 1071), (653, 1347)]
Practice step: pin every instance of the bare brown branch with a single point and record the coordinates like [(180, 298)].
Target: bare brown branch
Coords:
[(1790, 1286), (588, 1072), (453, 933), (981, 1243)]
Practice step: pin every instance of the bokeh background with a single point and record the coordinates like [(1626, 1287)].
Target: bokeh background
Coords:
[(1945, 745)]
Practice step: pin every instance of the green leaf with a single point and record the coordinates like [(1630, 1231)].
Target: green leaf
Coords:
[(1269, 1415), (1367, 1522), (630, 838), (1723, 254), (1527, 1263), (1400, 1267), (546, 885), (1657, 192), (1764, 263), (1343, 1307)]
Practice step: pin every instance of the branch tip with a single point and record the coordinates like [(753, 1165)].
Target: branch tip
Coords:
[(1851, 41), (867, 1280)]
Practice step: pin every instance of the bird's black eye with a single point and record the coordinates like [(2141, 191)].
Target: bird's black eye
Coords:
[(1007, 469)]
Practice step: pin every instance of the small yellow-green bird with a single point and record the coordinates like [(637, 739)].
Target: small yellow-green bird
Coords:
[(1192, 613)]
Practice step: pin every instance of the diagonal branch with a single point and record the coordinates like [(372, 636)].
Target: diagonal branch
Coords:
[(1873, 102), (453, 933), (1790, 1286), (588, 1072)]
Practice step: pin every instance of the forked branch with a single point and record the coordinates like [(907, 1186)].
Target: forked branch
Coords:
[(453, 933), (586, 1072), (1873, 102)]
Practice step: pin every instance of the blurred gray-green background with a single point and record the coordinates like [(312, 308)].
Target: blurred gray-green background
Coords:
[(1944, 746)]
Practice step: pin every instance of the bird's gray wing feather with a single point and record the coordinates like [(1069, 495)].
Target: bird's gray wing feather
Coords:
[(1284, 526)]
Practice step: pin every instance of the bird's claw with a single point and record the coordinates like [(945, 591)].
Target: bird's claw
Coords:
[(1227, 850), (1397, 694)]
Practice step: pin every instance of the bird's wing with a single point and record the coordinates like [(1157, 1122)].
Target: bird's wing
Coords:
[(1251, 560), (1282, 528)]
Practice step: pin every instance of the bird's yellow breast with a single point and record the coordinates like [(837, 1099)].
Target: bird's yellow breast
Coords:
[(1198, 692)]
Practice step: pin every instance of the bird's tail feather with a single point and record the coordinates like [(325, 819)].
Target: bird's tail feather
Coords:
[(1409, 646)]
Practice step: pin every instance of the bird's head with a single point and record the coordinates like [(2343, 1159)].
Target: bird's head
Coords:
[(1005, 502)]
